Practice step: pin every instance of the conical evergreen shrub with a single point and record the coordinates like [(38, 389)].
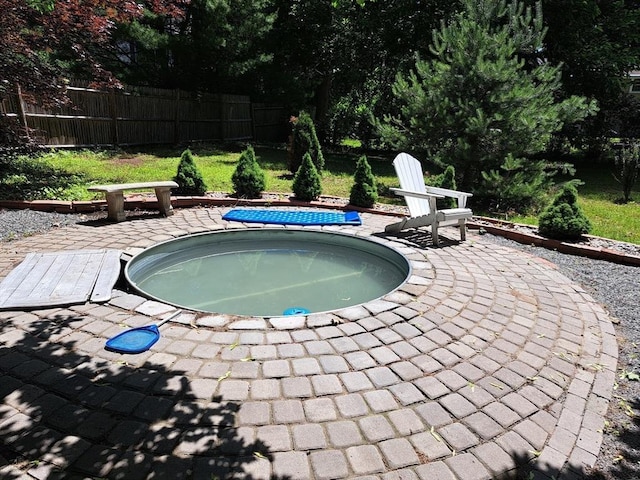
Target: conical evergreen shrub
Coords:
[(306, 182), (563, 219), (248, 178), (364, 192), (447, 180), (304, 140), (188, 177)]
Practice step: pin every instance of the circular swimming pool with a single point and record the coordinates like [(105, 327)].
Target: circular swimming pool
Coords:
[(267, 272)]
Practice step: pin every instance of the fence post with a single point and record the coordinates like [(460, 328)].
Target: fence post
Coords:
[(113, 109), (22, 113)]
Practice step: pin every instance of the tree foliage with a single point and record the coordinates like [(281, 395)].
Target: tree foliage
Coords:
[(44, 42), (248, 178), (306, 182), (304, 140), (364, 191), (563, 218), (486, 103), (188, 177)]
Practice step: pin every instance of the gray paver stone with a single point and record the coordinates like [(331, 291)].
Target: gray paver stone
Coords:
[(483, 425), (296, 387), (376, 428), (326, 385), (291, 465), (406, 421), (468, 467), (398, 453), (496, 460), (309, 436), (351, 405), (344, 433), (276, 438), (329, 465), (430, 445), (320, 410), (435, 471), (380, 401), (365, 459), (288, 411), (458, 436)]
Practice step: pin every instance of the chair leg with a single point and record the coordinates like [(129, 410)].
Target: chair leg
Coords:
[(463, 229), (434, 234)]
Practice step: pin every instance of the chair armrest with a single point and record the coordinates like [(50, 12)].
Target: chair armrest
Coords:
[(448, 193), (409, 193), (461, 196)]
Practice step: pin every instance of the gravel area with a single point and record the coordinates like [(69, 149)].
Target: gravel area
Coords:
[(19, 223), (616, 287)]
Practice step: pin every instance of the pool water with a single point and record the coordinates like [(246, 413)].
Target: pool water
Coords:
[(267, 272)]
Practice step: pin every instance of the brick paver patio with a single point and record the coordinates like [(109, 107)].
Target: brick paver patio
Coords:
[(487, 361)]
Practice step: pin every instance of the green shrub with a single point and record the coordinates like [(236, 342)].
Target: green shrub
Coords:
[(189, 178), (304, 140), (364, 192), (447, 179), (563, 219), (306, 182), (248, 178), (627, 162)]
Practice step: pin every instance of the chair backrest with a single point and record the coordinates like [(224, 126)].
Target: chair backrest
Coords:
[(409, 171)]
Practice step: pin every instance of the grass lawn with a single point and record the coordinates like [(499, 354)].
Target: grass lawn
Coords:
[(216, 166), (597, 196)]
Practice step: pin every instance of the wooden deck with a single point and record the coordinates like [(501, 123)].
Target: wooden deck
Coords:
[(61, 278)]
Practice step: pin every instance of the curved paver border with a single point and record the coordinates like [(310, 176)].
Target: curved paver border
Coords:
[(485, 359)]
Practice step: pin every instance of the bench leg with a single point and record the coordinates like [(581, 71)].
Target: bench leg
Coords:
[(163, 194), (115, 206)]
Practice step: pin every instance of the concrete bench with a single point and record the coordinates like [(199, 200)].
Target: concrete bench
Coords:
[(115, 196)]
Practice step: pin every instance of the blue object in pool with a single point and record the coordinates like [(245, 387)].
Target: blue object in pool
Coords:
[(293, 217), (296, 311)]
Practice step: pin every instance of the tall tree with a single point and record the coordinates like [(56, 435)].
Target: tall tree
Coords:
[(341, 56), (43, 42), (597, 43), (483, 105)]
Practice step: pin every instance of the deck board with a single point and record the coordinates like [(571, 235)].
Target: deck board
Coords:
[(61, 278)]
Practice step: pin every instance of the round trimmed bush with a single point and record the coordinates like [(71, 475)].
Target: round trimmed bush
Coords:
[(563, 219)]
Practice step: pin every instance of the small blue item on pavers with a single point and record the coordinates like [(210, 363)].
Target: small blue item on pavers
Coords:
[(293, 217), (138, 339)]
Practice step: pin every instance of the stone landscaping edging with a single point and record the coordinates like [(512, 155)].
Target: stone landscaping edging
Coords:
[(507, 230)]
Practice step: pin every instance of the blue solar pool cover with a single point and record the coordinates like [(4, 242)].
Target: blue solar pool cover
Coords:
[(293, 217)]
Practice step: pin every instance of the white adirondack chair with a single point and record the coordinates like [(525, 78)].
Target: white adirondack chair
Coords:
[(421, 200)]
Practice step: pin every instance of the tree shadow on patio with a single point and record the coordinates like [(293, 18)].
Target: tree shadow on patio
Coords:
[(68, 414)]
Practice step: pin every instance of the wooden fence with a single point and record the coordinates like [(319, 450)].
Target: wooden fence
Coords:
[(144, 116)]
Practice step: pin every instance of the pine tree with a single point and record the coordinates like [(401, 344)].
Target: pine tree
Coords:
[(304, 140), (364, 192), (479, 106), (248, 178), (306, 182), (188, 177)]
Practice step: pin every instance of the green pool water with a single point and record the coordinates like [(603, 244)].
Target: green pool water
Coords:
[(264, 272)]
